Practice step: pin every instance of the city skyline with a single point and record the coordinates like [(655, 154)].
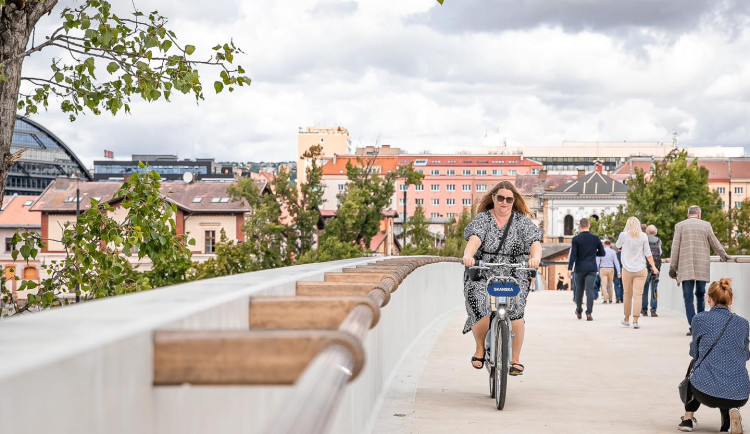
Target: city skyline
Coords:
[(422, 76)]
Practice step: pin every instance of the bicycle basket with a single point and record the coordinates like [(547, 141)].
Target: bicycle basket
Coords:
[(499, 288)]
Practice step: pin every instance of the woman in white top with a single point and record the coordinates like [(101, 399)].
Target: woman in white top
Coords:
[(635, 253)]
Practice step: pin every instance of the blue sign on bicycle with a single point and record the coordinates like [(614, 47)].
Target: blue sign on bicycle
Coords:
[(503, 289)]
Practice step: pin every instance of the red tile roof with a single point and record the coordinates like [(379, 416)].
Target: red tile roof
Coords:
[(337, 165), (15, 213), (718, 169)]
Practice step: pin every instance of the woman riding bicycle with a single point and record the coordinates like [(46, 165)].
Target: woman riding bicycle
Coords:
[(522, 242)]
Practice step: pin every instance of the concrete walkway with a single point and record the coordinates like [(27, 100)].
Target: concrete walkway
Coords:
[(581, 377)]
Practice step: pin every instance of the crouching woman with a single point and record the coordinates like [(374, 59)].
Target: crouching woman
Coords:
[(720, 349)]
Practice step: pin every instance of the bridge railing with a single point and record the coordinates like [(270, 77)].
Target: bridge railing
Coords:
[(310, 346), (670, 297)]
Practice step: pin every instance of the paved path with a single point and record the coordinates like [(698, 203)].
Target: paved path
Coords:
[(581, 377)]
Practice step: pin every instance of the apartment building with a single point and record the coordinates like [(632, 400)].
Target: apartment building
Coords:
[(451, 182), (730, 177)]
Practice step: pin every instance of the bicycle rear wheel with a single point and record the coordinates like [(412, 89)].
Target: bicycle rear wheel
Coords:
[(502, 347)]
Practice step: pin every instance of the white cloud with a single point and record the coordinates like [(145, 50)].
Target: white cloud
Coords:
[(371, 67)]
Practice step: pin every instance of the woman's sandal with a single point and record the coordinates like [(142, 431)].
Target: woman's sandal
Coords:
[(477, 359), (514, 370)]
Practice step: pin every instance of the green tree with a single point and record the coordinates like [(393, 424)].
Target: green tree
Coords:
[(610, 225), (102, 60), (358, 217), (454, 235), (420, 239), (662, 198), (97, 248), (231, 258), (740, 243)]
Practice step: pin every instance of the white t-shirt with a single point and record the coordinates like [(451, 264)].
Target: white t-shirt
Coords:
[(634, 251)]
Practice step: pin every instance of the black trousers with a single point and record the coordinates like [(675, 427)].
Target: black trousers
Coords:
[(584, 284), (711, 401)]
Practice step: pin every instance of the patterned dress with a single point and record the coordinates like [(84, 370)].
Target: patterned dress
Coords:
[(523, 232)]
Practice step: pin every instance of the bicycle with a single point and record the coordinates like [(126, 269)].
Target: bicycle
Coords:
[(504, 290)]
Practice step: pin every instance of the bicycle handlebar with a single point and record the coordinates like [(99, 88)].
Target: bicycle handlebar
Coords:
[(487, 265)]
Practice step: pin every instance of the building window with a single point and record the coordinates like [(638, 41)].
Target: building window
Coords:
[(482, 172), (342, 187), (738, 205), (434, 215), (466, 187), (435, 201), (451, 201), (8, 247), (419, 201), (568, 225), (513, 172), (466, 202), (434, 187), (419, 187), (403, 187), (451, 214), (497, 172), (450, 187), (721, 190), (435, 172), (535, 171), (402, 202), (210, 242), (738, 190), (466, 172), (481, 187), (451, 172)]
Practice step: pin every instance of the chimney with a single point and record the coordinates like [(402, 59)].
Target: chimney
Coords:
[(543, 175), (334, 159), (581, 173), (598, 166)]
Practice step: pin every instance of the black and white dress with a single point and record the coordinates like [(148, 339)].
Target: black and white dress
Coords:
[(523, 232)]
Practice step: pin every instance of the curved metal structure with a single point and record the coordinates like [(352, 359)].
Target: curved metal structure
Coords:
[(46, 158)]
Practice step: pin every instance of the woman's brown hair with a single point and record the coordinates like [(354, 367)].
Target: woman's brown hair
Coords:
[(519, 205), (721, 292)]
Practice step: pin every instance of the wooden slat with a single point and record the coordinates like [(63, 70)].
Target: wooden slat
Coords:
[(239, 357), (295, 313), (362, 277), (340, 289)]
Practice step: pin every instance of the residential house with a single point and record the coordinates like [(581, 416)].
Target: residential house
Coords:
[(15, 216)]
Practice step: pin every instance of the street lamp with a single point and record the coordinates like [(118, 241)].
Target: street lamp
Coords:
[(403, 226)]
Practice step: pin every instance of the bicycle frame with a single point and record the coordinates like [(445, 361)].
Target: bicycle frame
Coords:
[(504, 290)]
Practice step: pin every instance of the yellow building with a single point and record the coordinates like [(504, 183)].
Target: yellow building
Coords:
[(334, 140)]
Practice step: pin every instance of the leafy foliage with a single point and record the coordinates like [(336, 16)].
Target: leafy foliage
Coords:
[(362, 203), (280, 227), (454, 235), (98, 247), (663, 197), (741, 221), (420, 239), (113, 58)]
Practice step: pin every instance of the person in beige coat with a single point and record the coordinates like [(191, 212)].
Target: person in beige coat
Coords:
[(690, 264)]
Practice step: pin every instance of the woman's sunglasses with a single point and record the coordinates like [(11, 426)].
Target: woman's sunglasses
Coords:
[(501, 198)]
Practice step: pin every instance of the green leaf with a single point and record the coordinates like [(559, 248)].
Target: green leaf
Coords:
[(219, 86), (112, 67), (189, 49)]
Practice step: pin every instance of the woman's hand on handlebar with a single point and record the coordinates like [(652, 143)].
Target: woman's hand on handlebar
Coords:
[(534, 262), (469, 261)]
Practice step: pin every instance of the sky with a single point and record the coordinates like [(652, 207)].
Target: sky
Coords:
[(424, 77)]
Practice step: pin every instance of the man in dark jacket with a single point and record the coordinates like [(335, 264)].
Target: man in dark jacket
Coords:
[(583, 252), (652, 280)]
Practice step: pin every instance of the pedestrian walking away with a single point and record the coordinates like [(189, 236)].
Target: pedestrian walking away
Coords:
[(720, 350), (690, 263), (609, 267), (652, 280), (635, 254), (502, 231), (584, 250)]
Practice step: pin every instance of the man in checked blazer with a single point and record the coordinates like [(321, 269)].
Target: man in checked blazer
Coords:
[(690, 263)]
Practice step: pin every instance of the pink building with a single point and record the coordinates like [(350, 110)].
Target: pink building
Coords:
[(451, 182)]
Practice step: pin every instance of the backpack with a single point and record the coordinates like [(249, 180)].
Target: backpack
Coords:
[(655, 253)]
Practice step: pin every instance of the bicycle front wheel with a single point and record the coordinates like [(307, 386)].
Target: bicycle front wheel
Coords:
[(502, 348)]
